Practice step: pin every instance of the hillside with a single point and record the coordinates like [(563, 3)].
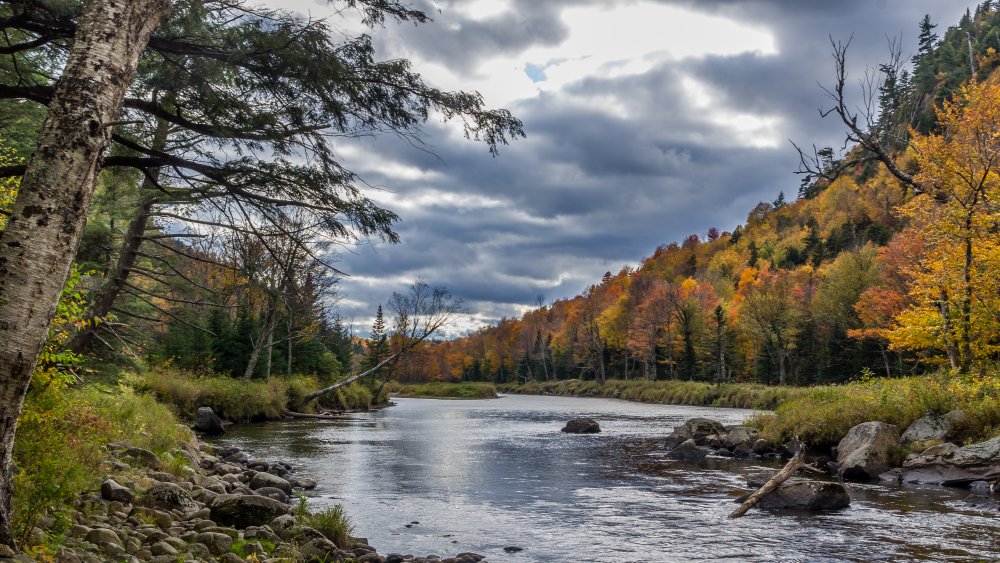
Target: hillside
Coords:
[(860, 275)]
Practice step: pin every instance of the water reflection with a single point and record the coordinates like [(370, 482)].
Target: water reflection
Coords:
[(482, 475)]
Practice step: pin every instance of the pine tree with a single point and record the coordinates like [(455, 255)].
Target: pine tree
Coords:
[(378, 343)]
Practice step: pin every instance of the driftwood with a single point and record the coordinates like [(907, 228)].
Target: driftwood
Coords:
[(797, 462)]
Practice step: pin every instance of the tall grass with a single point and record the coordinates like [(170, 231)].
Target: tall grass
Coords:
[(823, 415), (698, 393), (441, 390), (241, 401)]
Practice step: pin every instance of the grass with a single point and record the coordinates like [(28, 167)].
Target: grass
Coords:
[(440, 390), (823, 415), (243, 401), (697, 393), (332, 523)]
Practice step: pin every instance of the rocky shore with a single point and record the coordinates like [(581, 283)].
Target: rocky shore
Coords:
[(924, 453), (197, 504)]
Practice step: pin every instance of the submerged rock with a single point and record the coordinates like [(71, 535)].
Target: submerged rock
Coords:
[(687, 450), (866, 452), (582, 426)]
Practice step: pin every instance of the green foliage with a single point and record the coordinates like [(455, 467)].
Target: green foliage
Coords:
[(823, 415), (440, 390), (61, 438), (332, 523)]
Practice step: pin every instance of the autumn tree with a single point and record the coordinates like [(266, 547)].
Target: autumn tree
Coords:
[(955, 293)]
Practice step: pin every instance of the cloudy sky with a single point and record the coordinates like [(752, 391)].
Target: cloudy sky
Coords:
[(647, 121)]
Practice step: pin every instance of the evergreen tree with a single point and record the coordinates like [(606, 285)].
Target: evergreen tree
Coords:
[(378, 344)]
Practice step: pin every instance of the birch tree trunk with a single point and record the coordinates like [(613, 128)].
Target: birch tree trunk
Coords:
[(37, 248)]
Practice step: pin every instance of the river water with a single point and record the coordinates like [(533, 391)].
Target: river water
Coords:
[(444, 477)]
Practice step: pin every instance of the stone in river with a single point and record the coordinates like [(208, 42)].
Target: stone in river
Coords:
[(582, 426), (806, 495)]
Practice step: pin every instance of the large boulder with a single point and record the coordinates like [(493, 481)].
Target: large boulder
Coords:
[(867, 450), (931, 430), (950, 465), (168, 496), (740, 436), (582, 426), (806, 495), (242, 511), (208, 422), (697, 429)]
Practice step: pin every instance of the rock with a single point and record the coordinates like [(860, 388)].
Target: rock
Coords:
[(262, 479), (319, 549), (513, 549), (216, 543), (208, 422), (239, 458), (245, 510), (762, 446), (163, 548), (947, 464), (272, 492), (113, 491), (740, 436), (168, 496), (230, 558), (928, 430), (305, 484), (687, 451), (144, 458), (102, 535), (582, 426), (867, 450), (806, 495), (697, 429)]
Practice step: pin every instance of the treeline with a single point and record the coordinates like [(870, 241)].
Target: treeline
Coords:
[(877, 269)]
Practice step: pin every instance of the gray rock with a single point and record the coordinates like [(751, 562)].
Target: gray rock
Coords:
[(740, 436), (230, 558), (762, 446), (215, 542), (144, 458), (582, 426), (697, 429), (305, 484), (926, 431), (245, 510), (867, 450), (272, 492), (208, 422), (806, 495), (319, 549), (687, 450), (163, 548), (168, 496), (102, 535), (947, 464), (262, 479), (113, 491)]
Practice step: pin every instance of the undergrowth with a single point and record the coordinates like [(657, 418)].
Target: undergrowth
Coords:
[(441, 390)]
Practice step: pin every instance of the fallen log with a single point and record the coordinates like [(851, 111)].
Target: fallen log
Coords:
[(797, 462)]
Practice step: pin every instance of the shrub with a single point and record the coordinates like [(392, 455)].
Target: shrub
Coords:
[(441, 390)]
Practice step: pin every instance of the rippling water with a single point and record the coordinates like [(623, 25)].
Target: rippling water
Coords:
[(443, 477)]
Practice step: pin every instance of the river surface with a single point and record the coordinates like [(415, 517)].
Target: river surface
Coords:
[(444, 477)]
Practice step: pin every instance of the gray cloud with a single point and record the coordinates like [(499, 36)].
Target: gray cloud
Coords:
[(591, 190)]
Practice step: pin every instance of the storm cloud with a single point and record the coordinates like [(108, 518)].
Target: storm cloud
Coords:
[(646, 122)]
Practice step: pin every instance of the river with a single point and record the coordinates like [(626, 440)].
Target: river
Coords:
[(444, 477)]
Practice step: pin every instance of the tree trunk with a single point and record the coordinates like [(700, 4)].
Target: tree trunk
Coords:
[(949, 337), (965, 336), (263, 341), (37, 248), (100, 307), (797, 462)]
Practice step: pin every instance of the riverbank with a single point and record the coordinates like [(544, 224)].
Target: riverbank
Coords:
[(112, 475), (239, 400), (693, 393), (441, 390)]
